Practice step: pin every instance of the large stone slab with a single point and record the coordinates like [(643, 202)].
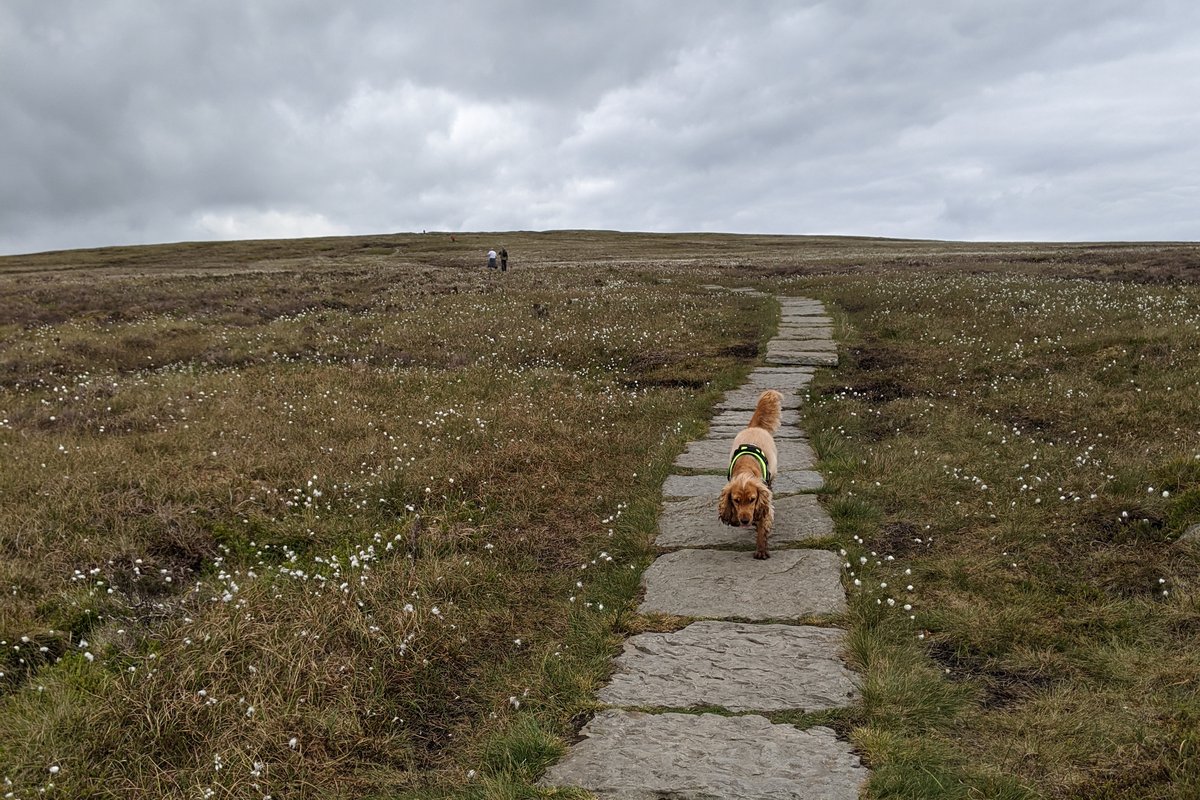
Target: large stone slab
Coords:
[(791, 334), (693, 523), (782, 378), (734, 665), (801, 306), (805, 322), (799, 336), (782, 345), (809, 358), (723, 584), (627, 755), (746, 399), (712, 455), (729, 431), (784, 483), (777, 372), (787, 417)]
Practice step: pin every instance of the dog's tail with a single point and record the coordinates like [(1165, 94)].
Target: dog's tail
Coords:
[(766, 413)]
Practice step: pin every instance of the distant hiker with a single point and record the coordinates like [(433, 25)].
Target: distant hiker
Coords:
[(503, 260), (491, 259)]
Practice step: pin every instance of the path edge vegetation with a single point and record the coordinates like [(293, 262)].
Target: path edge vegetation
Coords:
[(905, 705), (1032, 472), (515, 758)]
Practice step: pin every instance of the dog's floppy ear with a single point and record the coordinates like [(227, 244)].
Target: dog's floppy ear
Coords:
[(764, 508), (725, 509)]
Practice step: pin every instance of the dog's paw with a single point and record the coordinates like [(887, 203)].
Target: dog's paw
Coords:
[(761, 554)]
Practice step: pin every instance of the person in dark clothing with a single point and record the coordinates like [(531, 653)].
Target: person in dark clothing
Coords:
[(503, 260)]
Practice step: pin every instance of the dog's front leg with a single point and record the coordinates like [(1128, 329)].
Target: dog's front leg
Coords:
[(764, 516), (762, 529)]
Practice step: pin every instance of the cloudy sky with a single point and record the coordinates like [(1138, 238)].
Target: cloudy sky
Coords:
[(131, 121)]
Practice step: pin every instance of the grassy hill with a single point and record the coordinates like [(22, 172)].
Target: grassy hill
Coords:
[(358, 517)]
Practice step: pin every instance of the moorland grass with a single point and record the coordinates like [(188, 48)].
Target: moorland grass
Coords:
[(1015, 457), (377, 546), (246, 507)]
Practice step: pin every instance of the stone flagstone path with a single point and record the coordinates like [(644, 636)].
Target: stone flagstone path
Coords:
[(737, 656)]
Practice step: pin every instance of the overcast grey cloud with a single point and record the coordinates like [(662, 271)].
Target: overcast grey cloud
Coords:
[(134, 121)]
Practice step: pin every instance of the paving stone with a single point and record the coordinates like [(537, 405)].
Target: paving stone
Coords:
[(791, 337), (802, 345), (799, 335), (814, 359), (693, 522), (805, 319), (723, 584), (779, 378), (793, 340), (776, 371), (788, 417), (823, 334), (734, 665), (805, 322), (810, 331), (628, 755), (712, 455), (787, 482), (784, 384), (746, 399), (806, 325), (809, 325), (729, 431)]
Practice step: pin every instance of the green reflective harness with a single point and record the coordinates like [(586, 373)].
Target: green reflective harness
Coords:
[(756, 452)]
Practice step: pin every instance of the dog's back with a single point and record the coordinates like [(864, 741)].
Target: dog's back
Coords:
[(767, 411)]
